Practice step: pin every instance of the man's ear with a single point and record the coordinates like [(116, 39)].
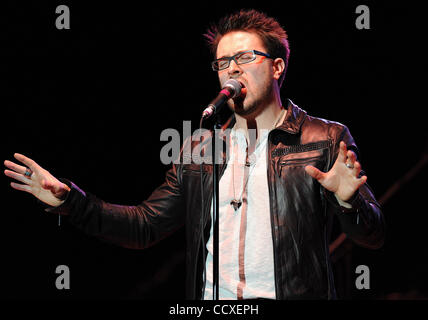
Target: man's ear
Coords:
[(278, 68)]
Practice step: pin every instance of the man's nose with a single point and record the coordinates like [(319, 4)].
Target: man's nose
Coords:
[(234, 69)]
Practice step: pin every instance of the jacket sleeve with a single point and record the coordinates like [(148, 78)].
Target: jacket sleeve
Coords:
[(128, 226), (364, 222)]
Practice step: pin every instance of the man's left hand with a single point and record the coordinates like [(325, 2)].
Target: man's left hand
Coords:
[(342, 179)]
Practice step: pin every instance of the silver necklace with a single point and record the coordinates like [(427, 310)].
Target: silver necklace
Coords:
[(236, 203)]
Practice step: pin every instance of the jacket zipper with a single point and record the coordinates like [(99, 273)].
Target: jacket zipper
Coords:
[(293, 162)]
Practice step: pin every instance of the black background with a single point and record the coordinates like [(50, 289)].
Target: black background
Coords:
[(89, 104)]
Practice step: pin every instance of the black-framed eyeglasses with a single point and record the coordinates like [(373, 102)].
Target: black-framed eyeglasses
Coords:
[(239, 58)]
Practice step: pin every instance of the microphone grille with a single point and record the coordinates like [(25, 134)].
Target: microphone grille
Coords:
[(235, 85)]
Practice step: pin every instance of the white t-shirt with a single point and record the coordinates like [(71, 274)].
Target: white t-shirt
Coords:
[(246, 268)]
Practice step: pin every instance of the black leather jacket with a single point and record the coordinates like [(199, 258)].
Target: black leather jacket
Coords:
[(301, 210)]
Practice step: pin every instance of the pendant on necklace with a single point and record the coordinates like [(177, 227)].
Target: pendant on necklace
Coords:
[(235, 204)]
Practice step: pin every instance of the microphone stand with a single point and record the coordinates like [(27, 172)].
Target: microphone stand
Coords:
[(230, 89), (215, 212)]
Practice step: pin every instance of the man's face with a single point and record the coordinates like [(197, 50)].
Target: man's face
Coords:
[(256, 76)]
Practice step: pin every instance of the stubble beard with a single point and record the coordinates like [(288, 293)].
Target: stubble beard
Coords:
[(244, 109)]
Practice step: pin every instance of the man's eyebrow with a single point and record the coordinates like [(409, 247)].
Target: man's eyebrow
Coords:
[(235, 52)]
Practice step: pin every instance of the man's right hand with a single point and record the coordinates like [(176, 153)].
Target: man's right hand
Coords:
[(40, 183)]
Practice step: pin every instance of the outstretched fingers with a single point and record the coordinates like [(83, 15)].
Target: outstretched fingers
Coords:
[(27, 161), (21, 187), (314, 172), (17, 172), (352, 163), (362, 181), (15, 167), (351, 157), (341, 157), (17, 176), (357, 168)]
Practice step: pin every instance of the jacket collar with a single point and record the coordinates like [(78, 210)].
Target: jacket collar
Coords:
[(294, 118)]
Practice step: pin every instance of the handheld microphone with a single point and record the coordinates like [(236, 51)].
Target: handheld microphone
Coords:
[(231, 89)]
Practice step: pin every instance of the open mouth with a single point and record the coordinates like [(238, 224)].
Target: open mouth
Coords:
[(239, 101), (243, 92)]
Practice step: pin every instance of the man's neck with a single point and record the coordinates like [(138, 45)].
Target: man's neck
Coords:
[(271, 116)]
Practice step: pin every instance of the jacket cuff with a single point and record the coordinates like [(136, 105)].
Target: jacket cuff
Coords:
[(356, 202), (65, 208)]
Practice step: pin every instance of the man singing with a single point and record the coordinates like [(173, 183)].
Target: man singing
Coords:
[(275, 209)]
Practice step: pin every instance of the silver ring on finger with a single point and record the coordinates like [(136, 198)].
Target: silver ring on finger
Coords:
[(350, 166), (28, 173)]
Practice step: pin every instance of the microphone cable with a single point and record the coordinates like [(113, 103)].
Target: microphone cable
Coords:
[(202, 218)]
